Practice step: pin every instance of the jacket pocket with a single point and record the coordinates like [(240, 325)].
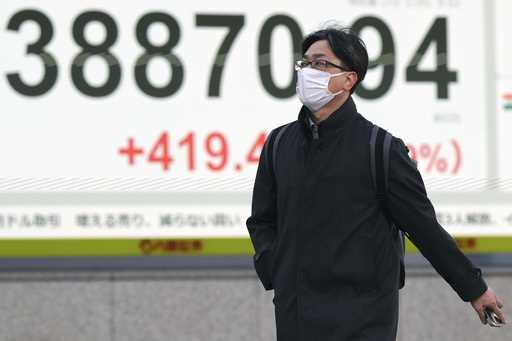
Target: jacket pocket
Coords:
[(263, 264), (355, 263)]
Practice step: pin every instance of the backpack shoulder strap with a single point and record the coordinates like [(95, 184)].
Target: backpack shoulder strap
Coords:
[(380, 144)]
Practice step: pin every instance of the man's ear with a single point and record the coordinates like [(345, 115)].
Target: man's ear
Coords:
[(350, 81)]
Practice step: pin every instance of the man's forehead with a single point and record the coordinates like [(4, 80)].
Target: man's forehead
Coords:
[(319, 49)]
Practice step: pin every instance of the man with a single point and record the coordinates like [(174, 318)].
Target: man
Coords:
[(322, 241)]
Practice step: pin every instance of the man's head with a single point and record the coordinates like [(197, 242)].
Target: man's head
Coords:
[(343, 50)]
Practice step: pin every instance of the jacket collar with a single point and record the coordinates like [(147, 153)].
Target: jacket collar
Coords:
[(335, 121)]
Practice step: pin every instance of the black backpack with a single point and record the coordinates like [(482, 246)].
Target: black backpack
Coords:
[(379, 143)]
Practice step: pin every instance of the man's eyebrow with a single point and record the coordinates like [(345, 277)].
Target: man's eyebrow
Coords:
[(315, 55)]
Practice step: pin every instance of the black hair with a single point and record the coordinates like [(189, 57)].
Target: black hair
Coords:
[(346, 45)]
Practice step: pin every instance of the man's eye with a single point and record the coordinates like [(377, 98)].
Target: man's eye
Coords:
[(319, 63)]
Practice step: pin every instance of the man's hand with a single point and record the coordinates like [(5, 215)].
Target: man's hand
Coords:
[(488, 300)]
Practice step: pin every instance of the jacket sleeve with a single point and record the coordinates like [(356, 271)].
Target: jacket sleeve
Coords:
[(413, 212), (262, 222)]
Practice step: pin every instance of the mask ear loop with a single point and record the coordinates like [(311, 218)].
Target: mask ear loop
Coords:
[(338, 74)]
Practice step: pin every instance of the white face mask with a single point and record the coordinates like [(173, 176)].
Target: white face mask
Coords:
[(313, 87)]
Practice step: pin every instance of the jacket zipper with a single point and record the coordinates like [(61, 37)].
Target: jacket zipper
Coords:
[(315, 132)]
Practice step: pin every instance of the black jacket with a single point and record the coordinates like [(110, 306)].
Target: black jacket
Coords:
[(322, 241)]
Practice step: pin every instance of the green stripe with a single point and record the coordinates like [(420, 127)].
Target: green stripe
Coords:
[(124, 247), (508, 106), (187, 246)]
